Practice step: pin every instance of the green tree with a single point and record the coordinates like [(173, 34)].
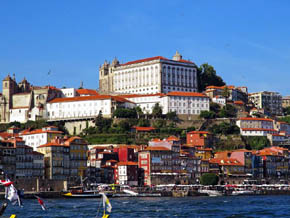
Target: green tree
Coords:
[(225, 129), (285, 119), (139, 112), (125, 113), (286, 110), (207, 76), (172, 115), (207, 114), (157, 111), (228, 111), (143, 122), (256, 142), (226, 92), (159, 123), (209, 179), (214, 107)]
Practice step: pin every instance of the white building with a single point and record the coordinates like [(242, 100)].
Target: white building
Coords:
[(271, 102), (257, 131), (149, 76), (252, 122), (187, 103), (39, 137), (85, 106), (219, 100), (68, 92)]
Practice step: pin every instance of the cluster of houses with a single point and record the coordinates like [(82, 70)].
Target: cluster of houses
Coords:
[(47, 154)]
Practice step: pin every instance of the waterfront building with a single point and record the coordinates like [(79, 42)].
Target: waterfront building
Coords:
[(39, 137), (219, 100), (126, 173), (183, 103), (204, 153), (78, 156), (148, 76), (38, 165), (271, 102), (156, 163), (56, 159), (231, 170)]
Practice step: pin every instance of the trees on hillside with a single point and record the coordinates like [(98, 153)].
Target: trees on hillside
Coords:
[(207, 76)]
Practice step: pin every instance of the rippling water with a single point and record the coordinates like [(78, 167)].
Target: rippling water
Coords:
[(235, 206)]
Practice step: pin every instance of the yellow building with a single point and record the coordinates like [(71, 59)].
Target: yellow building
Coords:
[(78, 156)]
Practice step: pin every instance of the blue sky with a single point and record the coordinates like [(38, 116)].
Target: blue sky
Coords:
[(246, 41)]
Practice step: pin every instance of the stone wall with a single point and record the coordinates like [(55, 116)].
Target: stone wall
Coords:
[(76, 127)]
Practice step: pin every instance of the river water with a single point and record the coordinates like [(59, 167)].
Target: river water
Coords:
[(230, 206)]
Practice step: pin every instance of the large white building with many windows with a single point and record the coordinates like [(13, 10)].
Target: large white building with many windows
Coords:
[(148, 76), (183, 103)]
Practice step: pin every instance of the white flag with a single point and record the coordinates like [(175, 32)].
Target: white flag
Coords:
[(106, 202)]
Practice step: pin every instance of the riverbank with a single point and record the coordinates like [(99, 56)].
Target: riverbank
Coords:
[(174, 193)]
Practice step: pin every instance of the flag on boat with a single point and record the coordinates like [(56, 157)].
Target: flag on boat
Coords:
[(11, 193), (41, 202), (6, 182), (106, 203)]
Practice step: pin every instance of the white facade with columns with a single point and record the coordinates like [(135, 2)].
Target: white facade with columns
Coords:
[(149, 76)]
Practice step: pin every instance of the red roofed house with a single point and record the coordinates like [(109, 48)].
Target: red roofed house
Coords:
[(156, 165), (39, 137), (199, 139), (148, 76), (56, 159), (78, 156)]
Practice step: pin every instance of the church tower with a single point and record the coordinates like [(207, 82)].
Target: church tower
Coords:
[(9, 87)]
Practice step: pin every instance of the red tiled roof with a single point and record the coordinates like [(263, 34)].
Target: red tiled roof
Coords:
[(142, 128), (198, 132), (190, 94), (129, 163), (226, 161), (156, 148), (39, 131), (145, 60), (172, 138), (50, 144), (88, 98), (258, 129), (239, 102), (256, 119), (87, 92)]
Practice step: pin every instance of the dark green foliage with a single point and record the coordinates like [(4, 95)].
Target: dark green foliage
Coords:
[(207, 77), (286, 110), (109, 139), (159, 123), (144, 122), (228, 111), (171, 131), (256, 142), (102, 124), (285, 119), (226, 92), (225, 129), (209, 179), (207, 114), (125, 113), (214, 107), (157, 111), (172, 116), (191, 128)]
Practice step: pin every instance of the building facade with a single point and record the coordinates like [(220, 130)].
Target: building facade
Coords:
[(271, 102), (148, 76)]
